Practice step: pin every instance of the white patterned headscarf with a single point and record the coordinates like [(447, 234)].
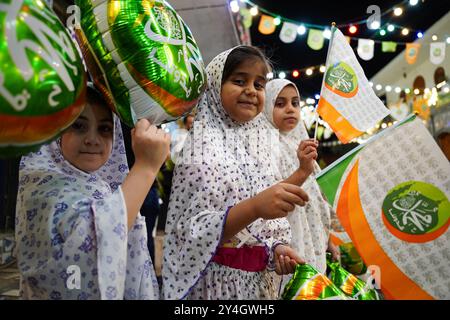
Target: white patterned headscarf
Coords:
[(309, 224), (222, 163), (67, 218)]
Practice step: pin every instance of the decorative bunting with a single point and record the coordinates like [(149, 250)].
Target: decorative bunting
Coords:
[(288, 32), (411, 52), (247, 17), (366, 49), (315, 39), (437, 52), (266, 25), (388, 46)]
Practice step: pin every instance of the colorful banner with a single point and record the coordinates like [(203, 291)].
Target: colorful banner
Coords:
[(391, 194), (347, 101), (315, 39), (412, 52), (288, 32), (437, 52), (246, 17), (366, 49), (388, 46), (266, 24), (421, 107)]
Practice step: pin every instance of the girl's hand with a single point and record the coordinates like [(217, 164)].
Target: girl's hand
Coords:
[(151, 146), (278, 200), (334, 250), (307, 154), (286, 259)]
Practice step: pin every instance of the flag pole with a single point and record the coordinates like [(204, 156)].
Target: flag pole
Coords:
[(333, 25)]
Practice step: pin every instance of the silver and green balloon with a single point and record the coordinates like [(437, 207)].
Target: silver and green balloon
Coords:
[(42, 78), (142, 57)]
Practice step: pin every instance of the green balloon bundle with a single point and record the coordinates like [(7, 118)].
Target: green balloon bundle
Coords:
[(42, 77), (309, 284), (142, 57), (351, 260), (350, 284)]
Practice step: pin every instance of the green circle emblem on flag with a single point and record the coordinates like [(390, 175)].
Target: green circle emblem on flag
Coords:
[(341, 79), (416, 211)]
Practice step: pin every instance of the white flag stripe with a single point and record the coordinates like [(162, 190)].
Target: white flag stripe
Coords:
[(364, 109)]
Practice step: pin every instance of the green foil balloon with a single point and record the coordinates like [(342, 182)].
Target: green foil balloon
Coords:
[(42, 78), (143, 58), (351, 285), (308, 284), (351, 260)]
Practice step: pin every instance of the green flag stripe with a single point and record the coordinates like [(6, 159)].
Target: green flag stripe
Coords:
[(329, 183), (329, 179)]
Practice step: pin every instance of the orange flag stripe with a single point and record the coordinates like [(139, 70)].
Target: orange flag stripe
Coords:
[(394, 283), (335, 240), (341, 127)]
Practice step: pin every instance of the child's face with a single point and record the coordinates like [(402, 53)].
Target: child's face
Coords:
[(87, 144), (286, 112), (243, 93)]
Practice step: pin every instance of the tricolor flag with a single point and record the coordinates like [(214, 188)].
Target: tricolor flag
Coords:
[(391, 195), (347, 101)]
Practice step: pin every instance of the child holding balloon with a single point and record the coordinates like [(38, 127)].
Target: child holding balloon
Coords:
[(226, 229), (78, 229)]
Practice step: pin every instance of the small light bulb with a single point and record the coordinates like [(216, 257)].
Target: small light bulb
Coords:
[(301, 30), (398, 11)]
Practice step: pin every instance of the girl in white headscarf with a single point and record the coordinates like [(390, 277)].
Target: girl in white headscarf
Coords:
[(225, 228), (310, 224), (78, 229)]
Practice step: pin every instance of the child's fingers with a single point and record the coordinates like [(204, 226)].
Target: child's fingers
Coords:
[(286, 206), (293, 198), (296, 190), (293, 264), (153, 130), (307, 143), (311, 155), (287, 264), (282, 264), (142, 125), (295, 257)]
